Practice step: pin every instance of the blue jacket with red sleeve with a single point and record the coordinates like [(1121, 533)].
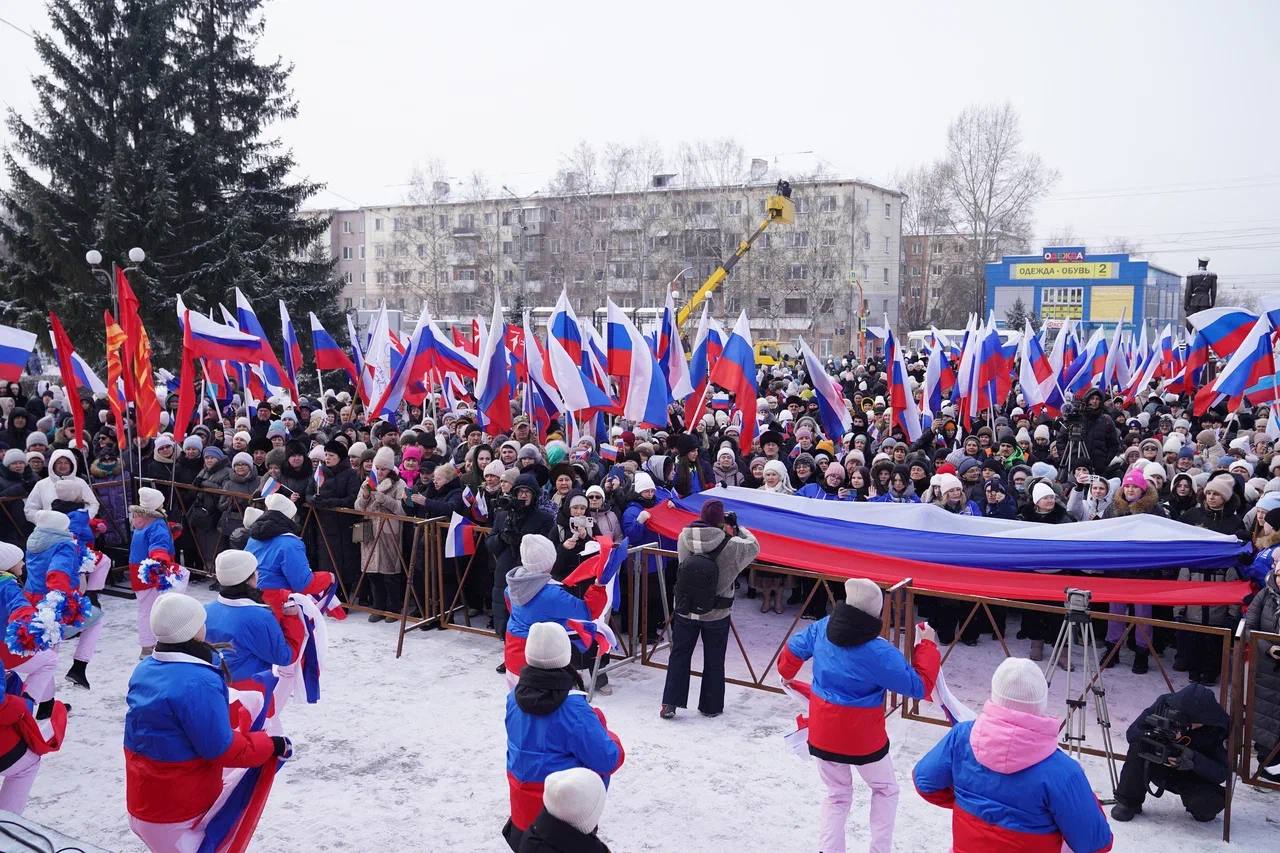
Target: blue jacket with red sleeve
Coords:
[(1010, 789), (178, 737), (853, 666), (551, 727), (534, 597), (153, 542), (282, 556), (257, 640), (53, 562)]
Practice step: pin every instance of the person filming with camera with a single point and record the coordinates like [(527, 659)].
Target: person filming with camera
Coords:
[(1179, 744), (713, 551)]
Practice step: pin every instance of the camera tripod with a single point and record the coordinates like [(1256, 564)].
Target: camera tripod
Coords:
[(1074, 454), (1077, 633)]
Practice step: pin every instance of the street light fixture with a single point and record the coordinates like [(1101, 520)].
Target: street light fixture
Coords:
[(93, 257), (136, 255)]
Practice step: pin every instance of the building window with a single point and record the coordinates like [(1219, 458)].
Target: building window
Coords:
[(346, 303), (886, 245), (346, 253), (401, 277), (763, 303), (402, 250), (936, 269), (956, 269), (599, 213), (464, 275), (599, 275), (866, 240), (555, 247), (828, 238), (579, 275), (579, 245), (625, 211), (802, 205), (508, 276), (677, 208), (797, 272), (506, 247), (885, 277), (380, 250), (490, 218), (444, 220), (796, 305), (362, 278), (553, 215), (381, 278), (424, 277), (600, 244), (466, 221), (828, 272), (887, 209), (703, 208), (827, 204), (422, 250), (915, 270), (397, 224), (377, 223), (362, 252), (799, 239), (347, 278), (733, 208), (346, 229)]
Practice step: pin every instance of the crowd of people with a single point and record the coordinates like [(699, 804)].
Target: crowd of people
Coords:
[(321, 498)]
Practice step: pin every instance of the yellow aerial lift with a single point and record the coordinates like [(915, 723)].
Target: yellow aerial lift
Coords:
[(780, 209)]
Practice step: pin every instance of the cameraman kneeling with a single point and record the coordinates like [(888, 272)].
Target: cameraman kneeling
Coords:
[(1178, 745)]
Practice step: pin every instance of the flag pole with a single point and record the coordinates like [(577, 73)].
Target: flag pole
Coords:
[(320, 383)]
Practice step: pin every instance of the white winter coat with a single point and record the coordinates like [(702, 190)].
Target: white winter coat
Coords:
[(42, 494)]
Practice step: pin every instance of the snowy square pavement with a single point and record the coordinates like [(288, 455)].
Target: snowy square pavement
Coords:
[(409, 755)]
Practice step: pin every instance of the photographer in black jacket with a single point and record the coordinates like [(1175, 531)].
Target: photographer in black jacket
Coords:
[(1098, 432), (512, 521), (1179, 744)]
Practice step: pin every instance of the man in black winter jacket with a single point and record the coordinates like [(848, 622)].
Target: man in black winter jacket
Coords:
[(1101, 440), (1196, 763), (510, 525), (339, 485)]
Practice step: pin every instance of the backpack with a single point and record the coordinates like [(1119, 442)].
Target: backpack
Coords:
[(697, 580)]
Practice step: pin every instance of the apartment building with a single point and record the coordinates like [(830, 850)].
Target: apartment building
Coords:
[(632, 246), (941, 279)]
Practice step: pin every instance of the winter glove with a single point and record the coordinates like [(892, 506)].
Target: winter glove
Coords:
[(282, 747), (643, 516)]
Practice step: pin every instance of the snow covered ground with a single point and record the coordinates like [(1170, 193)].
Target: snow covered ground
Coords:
[(409, 754)]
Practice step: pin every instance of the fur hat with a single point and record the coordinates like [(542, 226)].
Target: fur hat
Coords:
[(281, 504), (67, 489), (384, 457), (575, 796), (10, 556), (537, 553), (1043, 490), (52, 520), (37, 439), (547, 646), (13, 455), (1019, 685), (232, 567), (864, 595), (176, 618)]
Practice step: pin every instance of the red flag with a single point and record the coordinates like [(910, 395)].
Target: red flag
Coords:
[(115, 374), (138, 383), (186, 384), (65, 366)]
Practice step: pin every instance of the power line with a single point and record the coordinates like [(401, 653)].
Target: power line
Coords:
[(14, 26)]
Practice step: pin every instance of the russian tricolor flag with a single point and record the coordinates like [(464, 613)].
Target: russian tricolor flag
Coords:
[(272, 372), (836, 419), (215, 341), (645, 398), (292, 352), (1224, 328), (902, 406), (269, 487), (708, 344), (15, 349), (460, 539), (493, 377), (670, 352), (568, 361), (329, 356), (735, 372), (83, 372)]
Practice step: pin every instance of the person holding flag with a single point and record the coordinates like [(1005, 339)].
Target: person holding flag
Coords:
[(179, 741), (151, 560)]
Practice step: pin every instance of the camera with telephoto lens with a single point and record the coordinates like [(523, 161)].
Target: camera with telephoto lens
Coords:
[(1073, 420), (731, 519), (1162, 736), (502, 502)]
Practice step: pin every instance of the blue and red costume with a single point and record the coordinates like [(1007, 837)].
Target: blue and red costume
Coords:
[(1010, 788), (551, 729), (53, 563), (535, 597), (153, 542), (178, 736), (257, 641), (852, 668)]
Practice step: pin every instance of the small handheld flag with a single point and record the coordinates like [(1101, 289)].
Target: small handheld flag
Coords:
[(460, 539)]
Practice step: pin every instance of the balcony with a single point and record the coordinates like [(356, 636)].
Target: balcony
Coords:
[(466, 231), (627, 223)]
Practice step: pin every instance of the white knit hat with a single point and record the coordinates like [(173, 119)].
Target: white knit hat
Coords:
[(1155, 469), (10, 556), (495, 469), (537, 553), (643, 482), (1019, 685), (385, 457), (1042, 490), (242, 458), (13, 455), (53, 520), (1042, 432), (233, 567), (947, 482), (250, 515), (150, 499), (357, 449), (282, 505), (575, 796), (864, 595), (547, 646), (176, 618)]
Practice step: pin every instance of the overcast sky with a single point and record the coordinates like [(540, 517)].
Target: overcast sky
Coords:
[(1159, 116)]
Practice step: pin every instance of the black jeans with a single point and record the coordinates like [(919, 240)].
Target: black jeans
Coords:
[(684, 638), (1204, 799), (1202, 654)]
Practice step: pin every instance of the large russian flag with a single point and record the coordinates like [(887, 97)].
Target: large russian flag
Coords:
[(836, 419), (978, 556), (645, 398), (736, 373), (215, 341), (1224, 328)]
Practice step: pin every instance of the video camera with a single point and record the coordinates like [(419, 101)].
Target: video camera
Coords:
[(1163, 736)]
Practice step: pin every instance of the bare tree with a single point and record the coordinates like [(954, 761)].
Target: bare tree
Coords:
[(993, 184), (1064, 236)]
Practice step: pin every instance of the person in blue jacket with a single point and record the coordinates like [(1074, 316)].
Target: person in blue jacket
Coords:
[(830, 488), (951, 495), (37, 668), (1265, 559), (152, 540), (178, 736), (534, 596), (53, 565), (240, 617), (853, 666), (645, 495), (997, 502), (282, 556), (1006, 782), (551, 727)]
